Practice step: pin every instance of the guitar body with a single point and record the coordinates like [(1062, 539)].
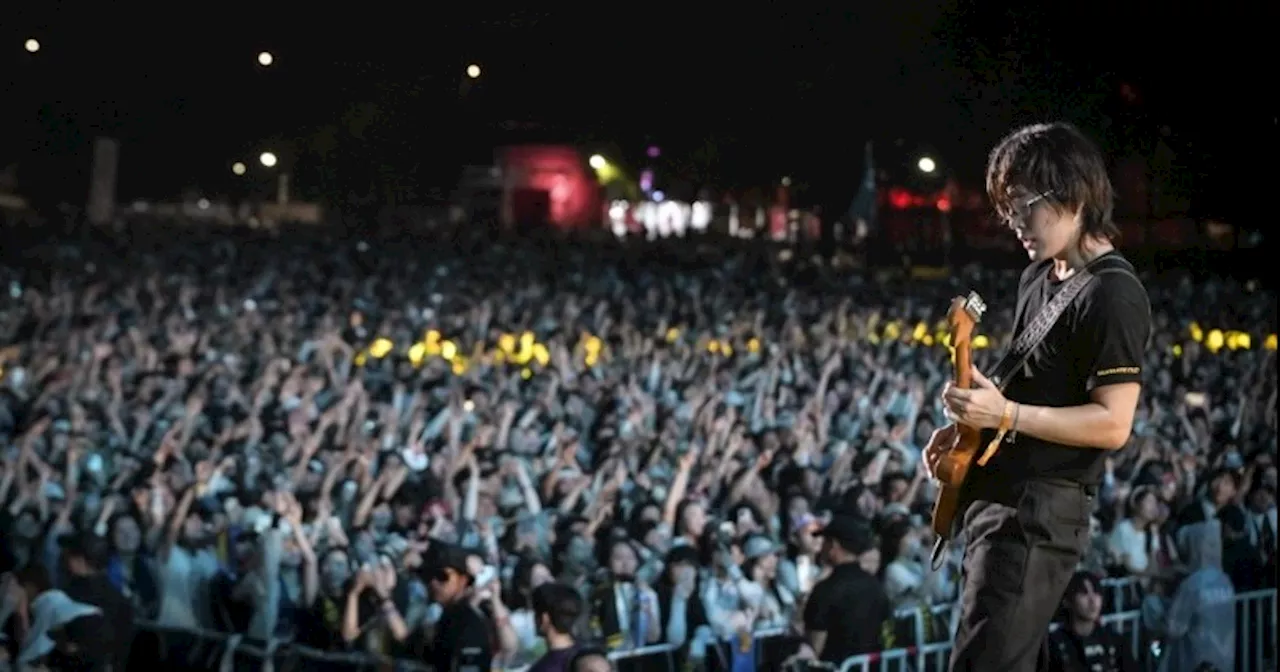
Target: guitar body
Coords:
[(953, 468), (951, 472)]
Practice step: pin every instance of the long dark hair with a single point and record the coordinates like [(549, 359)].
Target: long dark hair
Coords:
[(1058, 162)]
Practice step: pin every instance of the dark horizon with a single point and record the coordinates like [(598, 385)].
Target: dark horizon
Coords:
[(764, 95)]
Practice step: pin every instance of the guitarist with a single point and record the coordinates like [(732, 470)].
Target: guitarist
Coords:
[(1025, 515)]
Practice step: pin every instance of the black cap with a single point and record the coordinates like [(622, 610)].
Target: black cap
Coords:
[(851, 533), (449, 556), (93, 549)]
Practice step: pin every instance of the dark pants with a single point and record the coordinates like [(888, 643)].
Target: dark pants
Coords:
[(1023, 543)]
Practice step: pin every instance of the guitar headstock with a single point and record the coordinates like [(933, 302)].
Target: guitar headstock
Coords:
[(965, 313)]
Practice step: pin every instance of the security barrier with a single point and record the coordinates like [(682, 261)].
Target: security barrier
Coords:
[(927, 633), (1255, 641)]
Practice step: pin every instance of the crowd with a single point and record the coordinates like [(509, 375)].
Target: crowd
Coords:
[(491, 453)]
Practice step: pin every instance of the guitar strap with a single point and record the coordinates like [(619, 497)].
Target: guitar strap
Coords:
[(1040, 326)]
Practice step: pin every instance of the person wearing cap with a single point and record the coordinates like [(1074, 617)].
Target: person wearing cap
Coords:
[(1082, 644), (85, 557), (60, 632), (848, 612), (462, 635), (760, 566)]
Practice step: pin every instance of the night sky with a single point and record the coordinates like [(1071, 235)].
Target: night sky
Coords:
[(756, 93)]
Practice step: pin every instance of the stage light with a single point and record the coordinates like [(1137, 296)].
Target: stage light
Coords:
[(32, 45), (265, 59), (238, 168), (786, 181), (268, 159), (926, 165), (473, 71), (596, 161)]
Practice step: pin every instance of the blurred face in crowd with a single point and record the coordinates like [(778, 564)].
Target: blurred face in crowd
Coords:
[(364, 545), (539, 575), (193, 531), (126, 535), (1147, 507), (404, 515), (448, 585), (897, 489), (681, 571), (695, 519), (911, 545), (655, 540), (381, 518), (651, 513), (335, 569), (1045, 232), (1222, 490), (1262, 500), (806, 540), (768, 565), (1086, 605), (623, 562)]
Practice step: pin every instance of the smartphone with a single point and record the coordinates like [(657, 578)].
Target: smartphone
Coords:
[(486, 575), (1195, 399)]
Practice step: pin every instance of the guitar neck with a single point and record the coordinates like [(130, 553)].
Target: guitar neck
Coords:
[(964, 366)]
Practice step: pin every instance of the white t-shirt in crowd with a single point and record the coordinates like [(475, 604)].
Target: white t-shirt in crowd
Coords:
[(184, 588), (1129, 545)]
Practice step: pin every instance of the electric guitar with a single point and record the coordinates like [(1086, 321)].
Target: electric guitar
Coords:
[(953, 466)]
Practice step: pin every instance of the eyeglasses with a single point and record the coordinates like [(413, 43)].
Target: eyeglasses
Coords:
[(1017, 218)]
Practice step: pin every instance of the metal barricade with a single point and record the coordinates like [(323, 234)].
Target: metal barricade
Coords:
[(926, 658), (653, 658), (182, 650), (1256, 631), (1255, 641), (1121, 593)]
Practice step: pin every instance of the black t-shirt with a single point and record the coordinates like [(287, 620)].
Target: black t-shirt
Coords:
[(1100, 339), (116, 609), (853, 609), (461, 641), (1099, 651), (81, 645)]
